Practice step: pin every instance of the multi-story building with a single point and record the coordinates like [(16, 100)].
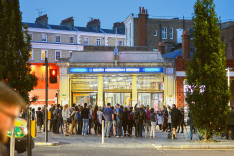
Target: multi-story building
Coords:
[(60, 41), (145, 31)]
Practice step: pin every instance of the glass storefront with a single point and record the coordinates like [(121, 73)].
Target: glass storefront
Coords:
[(81, 98), (120, 98), (154, 100)]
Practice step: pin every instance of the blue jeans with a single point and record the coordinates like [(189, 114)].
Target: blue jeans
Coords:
[(119, 127), (191, 133), (85, 126), (107, 128)]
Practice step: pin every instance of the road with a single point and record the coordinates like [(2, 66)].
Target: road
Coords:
[(105, 151)]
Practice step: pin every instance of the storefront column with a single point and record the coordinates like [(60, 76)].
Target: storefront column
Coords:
[(100, 90), (134, 90)]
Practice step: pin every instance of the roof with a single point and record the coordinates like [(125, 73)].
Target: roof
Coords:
[(108, 57), (34, 25), (76, 28), (173, 55), (88, 29)]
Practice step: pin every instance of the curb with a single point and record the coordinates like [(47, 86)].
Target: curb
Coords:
[(160, 147), (46, 143)]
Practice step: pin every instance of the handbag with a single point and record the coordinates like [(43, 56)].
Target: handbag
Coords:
[(69, 120)]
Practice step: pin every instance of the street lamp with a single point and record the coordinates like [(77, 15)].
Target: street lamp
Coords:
[(228, 74)]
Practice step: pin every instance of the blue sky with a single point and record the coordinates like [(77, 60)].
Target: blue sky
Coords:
[(110, 11)]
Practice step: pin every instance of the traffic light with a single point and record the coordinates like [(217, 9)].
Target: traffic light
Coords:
[(53, 75)]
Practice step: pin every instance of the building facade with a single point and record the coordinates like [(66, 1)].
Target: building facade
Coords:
[(131, 77), (59, 42), (145, 31)]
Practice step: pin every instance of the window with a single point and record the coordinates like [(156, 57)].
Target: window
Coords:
[(57, 55), (70, 53), (191, 32), (58, 39), (71, 39), (31, 55), (86, 40), (31, 36), (120, 43), (164, 33), (171, 33), (155, 33), (98, 42), (44, 38), (44, 54)]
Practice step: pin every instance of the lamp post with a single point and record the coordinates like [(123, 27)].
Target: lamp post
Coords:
[(46, 95)]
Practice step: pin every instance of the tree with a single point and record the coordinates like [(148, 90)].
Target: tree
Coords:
[(209, 95), (14, 50)]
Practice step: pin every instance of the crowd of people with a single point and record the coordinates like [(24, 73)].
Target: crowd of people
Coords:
[(119, 121)]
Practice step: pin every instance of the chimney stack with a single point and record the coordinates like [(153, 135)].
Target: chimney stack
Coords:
[(161, 48), (43, 20), (94, 23), (142, 17), (186, 45), (69, 22)]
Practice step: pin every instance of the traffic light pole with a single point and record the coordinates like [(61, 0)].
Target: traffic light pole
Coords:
[(46, 106)]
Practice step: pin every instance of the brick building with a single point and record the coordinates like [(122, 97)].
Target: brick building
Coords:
[(227, 36), (145, 31)]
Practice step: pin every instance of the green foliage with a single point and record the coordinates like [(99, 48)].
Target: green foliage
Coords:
[(207, 68), (14, 50)]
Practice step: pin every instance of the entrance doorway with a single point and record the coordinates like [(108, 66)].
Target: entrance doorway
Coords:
[(154, 100), (81, 98), (120, 98)]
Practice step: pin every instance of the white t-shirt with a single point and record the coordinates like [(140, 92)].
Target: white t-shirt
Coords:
[(159, 120)]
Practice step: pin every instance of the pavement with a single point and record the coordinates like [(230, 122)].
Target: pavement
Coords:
[(160, 142)]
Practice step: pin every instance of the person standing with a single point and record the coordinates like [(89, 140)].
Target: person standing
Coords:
[(55, 119), (175, 116), (39, 118), (66, 114), (76, 125), (165, 118), (159, 119), (130, 121), (231, 123), (60, 118), (73, 112), (153, 119), (99, 116), (108, 114), (141, 119), (95, 119), (147, 122), (85, 115), (181, 122), (10, 105), (119, 117), (80, 120), (169, 119), (90, 118), (125, 120)]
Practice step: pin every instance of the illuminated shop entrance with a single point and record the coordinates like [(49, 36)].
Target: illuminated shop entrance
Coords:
[(81, 98), (154, 100), (120, 98)]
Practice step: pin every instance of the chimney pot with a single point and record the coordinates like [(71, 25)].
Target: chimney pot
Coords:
[(161, 48), (140, 10), (143, 10)]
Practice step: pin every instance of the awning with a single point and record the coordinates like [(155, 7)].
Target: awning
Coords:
[(41, 93)]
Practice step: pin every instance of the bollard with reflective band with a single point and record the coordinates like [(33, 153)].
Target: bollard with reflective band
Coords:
[(103, 132), (12, 146), (49, 115), (33, 128)]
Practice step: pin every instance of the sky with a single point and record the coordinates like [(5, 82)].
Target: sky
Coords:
[(111, 11)]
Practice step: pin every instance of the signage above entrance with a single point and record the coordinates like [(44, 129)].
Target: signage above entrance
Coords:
[(117, 70)]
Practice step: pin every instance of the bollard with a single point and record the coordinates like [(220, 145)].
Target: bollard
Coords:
[(103, 132), (12, 146)]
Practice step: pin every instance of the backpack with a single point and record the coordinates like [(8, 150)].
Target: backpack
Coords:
[(141, 114), (147, 114), (120, 114), (130, 117)]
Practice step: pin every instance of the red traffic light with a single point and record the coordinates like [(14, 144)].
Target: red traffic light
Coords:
[(53, 75)]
